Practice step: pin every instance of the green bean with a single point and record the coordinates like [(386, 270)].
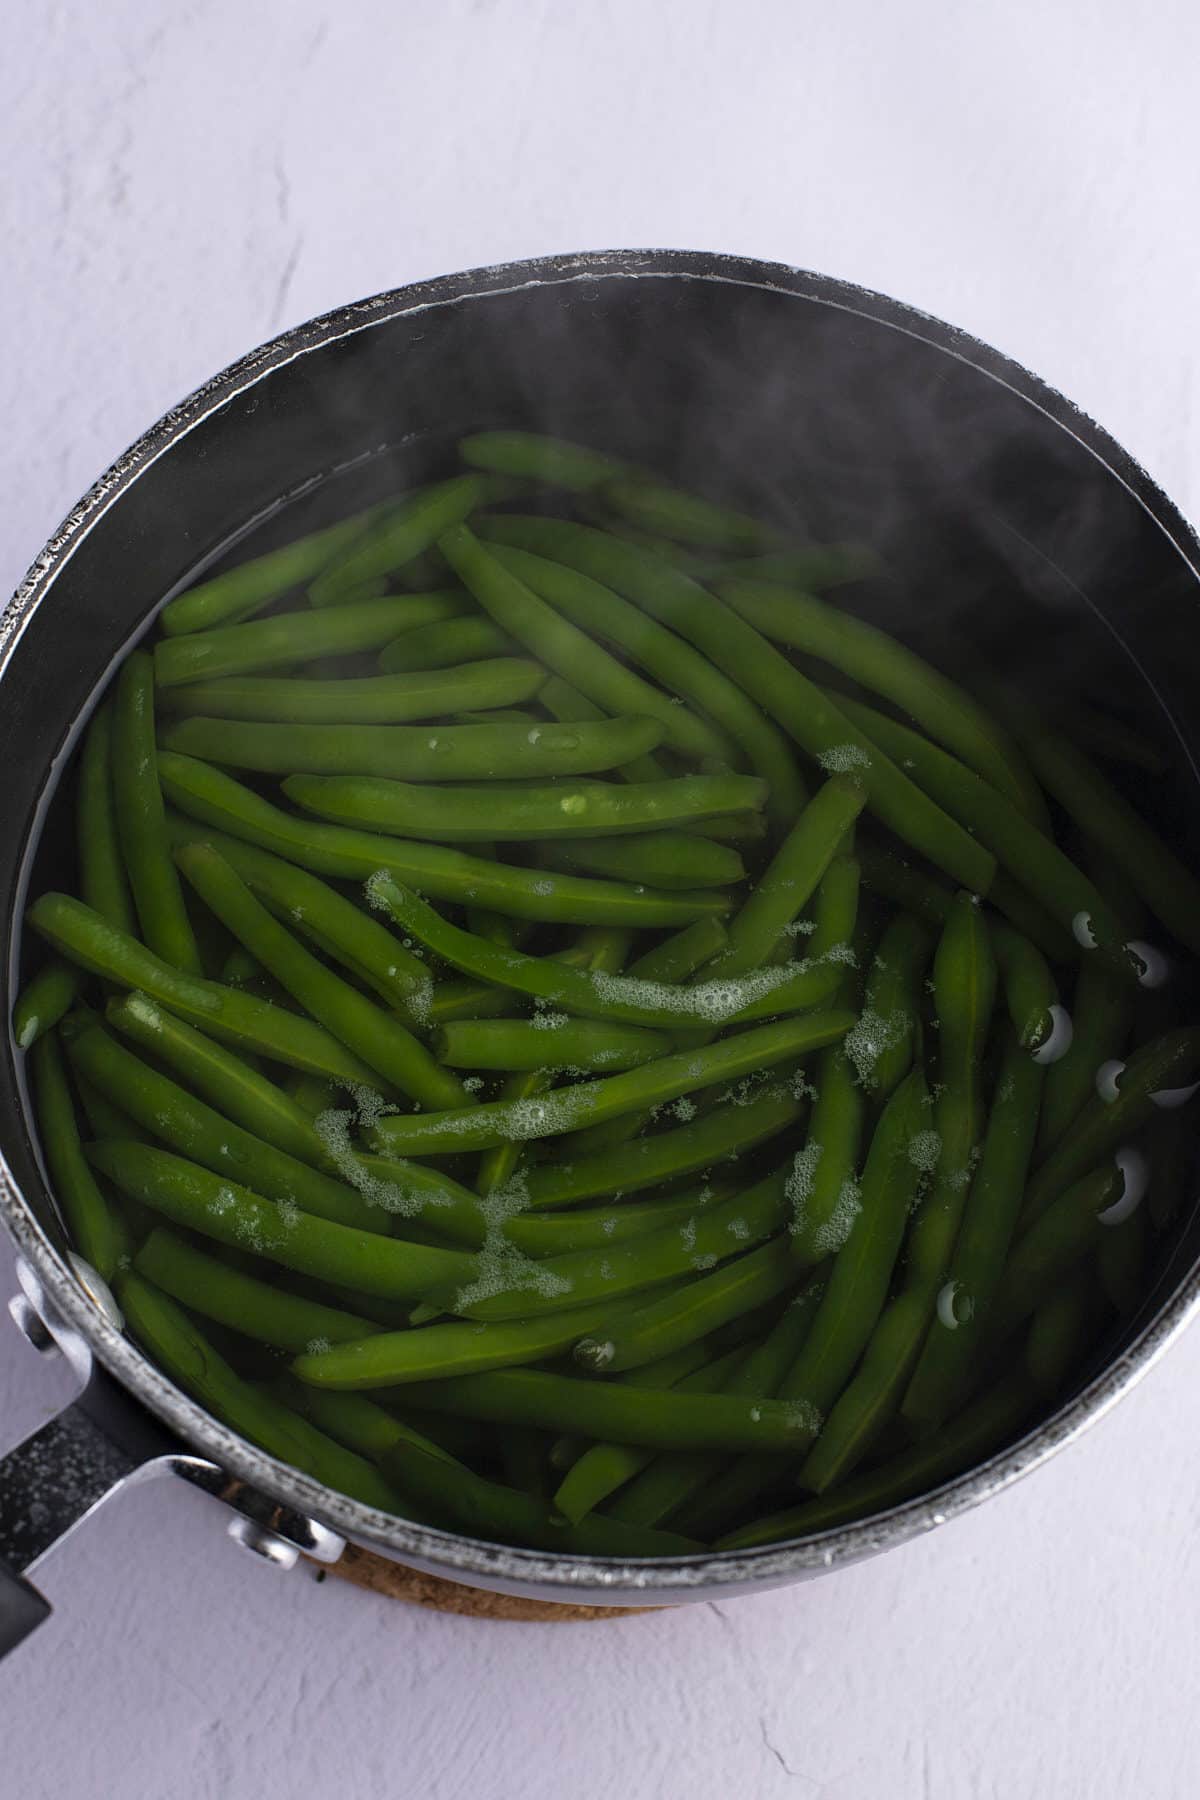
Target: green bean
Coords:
[(364, 699), (1100, 734), (102, 881), (103, 1118), (370, 1033), (361, 1424), (960, 1322), (968, 1439), (657, 506), (811, 568), (597, 1227), (1102, 1015), (588, 1102), (495, 579), (446, 644), (1121, 1261), (766, 679), (964, 980), (341, 930), (487, 1509), (883, 664), (1027, 853), (710, 1237), (1029, 916), (566, 704), (1029, 987), (622, 567), (396, 536), (1171, 891), (673, 662), (451, 753), (885, 1040), (498, 715), (226, 1081), (186, 1125), (235, 1215), (666, 859), (627, 1000), (436, 1352), (788, 882), (911, 889), (85, 938), (1171, 1143), (822, 1188), (1060, 1330), (502, 811), (662, 1420), (603, 1468), (862, 1268), (239, 967), (468, 1000), (670, 1482), (548, 1041), (293, 637), (157, 895), (690, 1312), (257, 1309), (1170, 1061), (1059, 1237), (816, 977), (628, 1168), (605, 950), (165, 1331), (681, 954), (531, 456), (43, 1001), (238, 592), (95, 1228)]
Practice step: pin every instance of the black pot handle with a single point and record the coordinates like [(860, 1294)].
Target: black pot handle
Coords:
[(50, 1483)]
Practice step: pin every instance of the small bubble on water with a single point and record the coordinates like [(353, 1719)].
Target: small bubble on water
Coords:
[(1059, 1039), (1154, 969), (1108, 1080), (1169, 1098), (1081, 927), (1135, 1172)]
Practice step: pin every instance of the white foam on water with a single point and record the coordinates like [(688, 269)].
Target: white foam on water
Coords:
[(501, 1267), (869, 1037), (842, 759), (799, 1185), (829, 1238), (714, 1001), (925, 1151)]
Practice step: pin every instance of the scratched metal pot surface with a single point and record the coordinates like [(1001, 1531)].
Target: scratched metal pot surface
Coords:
[(1006, 515)]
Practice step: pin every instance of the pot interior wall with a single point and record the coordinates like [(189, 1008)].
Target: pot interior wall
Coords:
[(1011, 545)]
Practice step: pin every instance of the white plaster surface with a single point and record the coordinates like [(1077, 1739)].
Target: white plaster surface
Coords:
[(179, 180)]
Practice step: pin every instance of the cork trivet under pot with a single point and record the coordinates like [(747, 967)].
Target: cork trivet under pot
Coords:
[(382, 1576)]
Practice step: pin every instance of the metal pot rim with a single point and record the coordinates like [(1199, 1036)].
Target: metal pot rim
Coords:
[(449, 1553)]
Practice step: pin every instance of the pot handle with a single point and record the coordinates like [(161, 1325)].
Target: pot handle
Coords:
[(64, 1469), (62, 1472)]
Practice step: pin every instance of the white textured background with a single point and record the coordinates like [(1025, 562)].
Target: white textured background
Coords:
[(178, 181)]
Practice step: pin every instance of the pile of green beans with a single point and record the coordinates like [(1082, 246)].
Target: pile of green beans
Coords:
[(541, 960)]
